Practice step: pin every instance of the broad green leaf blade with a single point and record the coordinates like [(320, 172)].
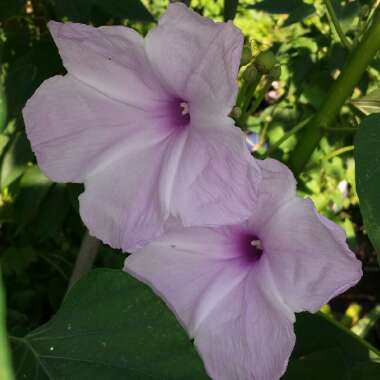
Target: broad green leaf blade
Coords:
[(299, 14), (5, 367), (366, 371), (367, 158), (230, 8), (326, 350), (369, 103), (74, 10), (10, 8), (130, 9), (110, 326), (277, 6)]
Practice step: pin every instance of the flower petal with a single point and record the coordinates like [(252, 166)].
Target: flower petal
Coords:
[(201, 58), (122, 202), (217, 178), (188, 267), (240, 325), (250, 334), (308, 254), (74, 129), (111, 59)]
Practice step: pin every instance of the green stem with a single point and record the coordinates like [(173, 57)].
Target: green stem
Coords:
[(249, 110), (340, 129), (339, 92), (250, 89), (339, 152), (336, 25), (5, 362), (280, 141)]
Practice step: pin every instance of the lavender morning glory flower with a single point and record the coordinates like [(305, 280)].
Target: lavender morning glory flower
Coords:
[(236, 288), (143, 124)]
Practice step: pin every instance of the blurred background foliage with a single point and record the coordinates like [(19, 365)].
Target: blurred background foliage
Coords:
[(40, 228)]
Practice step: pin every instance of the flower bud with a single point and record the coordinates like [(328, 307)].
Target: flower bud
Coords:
[(265, 61), (236, 113), (250, 74)]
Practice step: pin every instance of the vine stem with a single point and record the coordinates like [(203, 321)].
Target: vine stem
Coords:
[(336, 25), (5, 360), (339, 92), (86, 257)]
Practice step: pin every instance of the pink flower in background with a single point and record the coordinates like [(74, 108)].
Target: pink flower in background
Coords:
[(143, 124), (236, 288)]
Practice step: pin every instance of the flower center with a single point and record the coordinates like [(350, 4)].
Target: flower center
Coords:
[(179, 113), (251, 248)]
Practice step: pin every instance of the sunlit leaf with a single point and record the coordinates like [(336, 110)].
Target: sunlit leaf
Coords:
[(369, 103)]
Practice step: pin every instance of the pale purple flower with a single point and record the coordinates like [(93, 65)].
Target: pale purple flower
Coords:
[(143, 124), (236, 288)]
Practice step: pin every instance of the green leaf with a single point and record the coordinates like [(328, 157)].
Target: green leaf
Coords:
[(347, 14), (278, 6), (5, 368), (367, 158), (110, 326), (230, 8), (16, 260), (9, 8), (34, 186), (325, 350), (369, 103), (74, 10), (81, 10), (15, 159), (131, 9), (28, 72), (53, 211), (3, 107), (299, 14)]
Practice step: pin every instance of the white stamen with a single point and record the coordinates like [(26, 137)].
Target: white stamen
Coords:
[(185, 108), (257, 244)]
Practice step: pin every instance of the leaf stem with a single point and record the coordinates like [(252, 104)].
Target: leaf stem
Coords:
[(294, 130), (334, 23), (86, 257), (340, 129), (339, 92), (339, 151), (249, 108)]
